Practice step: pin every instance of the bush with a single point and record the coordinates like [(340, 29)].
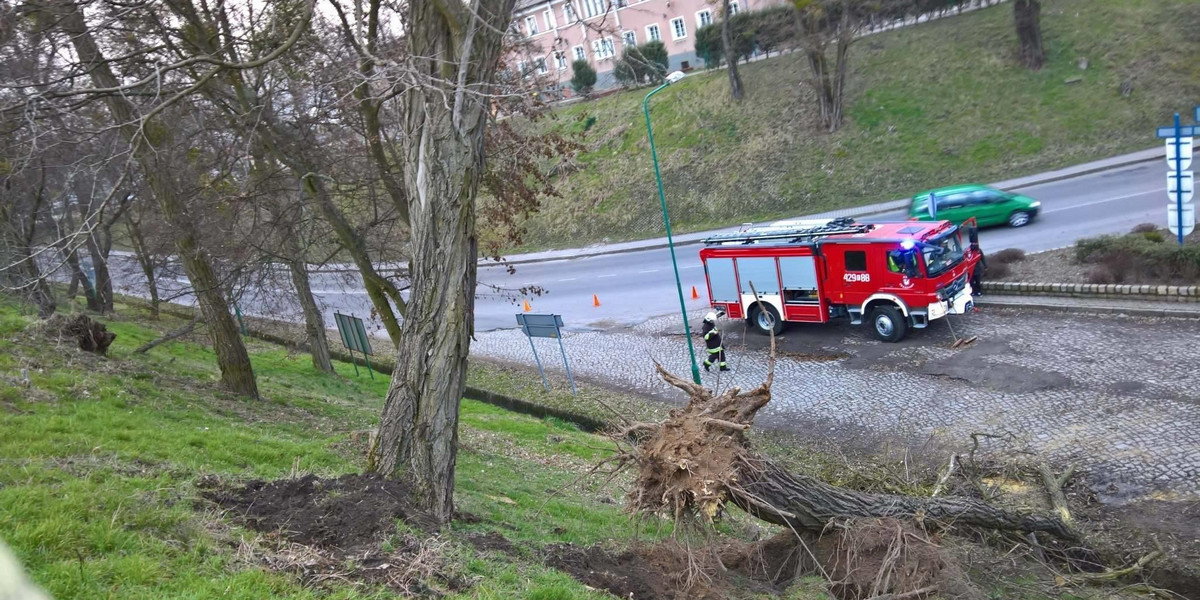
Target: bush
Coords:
[(1102, 275), (1134, 257), (775, 28), (709, 47), (1144, 228), (997, 270), (584, 78), (1154, 236), (655, 55), (638, 63), (1008, 255)]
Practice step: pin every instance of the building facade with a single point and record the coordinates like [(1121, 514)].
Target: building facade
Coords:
[(560, 32)]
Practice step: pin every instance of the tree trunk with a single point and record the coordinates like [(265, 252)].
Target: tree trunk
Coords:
[(103, 282), (314, 322), (152, 145), (735, 80), (445, 120), (1027, 14), (770, 493), (145, 260)]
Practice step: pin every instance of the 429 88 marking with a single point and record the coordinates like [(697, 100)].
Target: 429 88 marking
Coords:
[(856, 277)]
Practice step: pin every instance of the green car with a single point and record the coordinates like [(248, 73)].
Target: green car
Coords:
[(989, 206)]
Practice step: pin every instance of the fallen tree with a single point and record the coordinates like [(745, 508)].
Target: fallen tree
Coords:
[(697, 461)]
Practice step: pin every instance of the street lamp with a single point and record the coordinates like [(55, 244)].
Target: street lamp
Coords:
[(687, 330)]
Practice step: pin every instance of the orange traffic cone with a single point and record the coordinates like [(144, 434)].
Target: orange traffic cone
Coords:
[(595, 300), (695, 296), (528, 308)]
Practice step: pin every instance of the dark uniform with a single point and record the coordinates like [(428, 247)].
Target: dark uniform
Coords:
[(977, 274), (712, 340)]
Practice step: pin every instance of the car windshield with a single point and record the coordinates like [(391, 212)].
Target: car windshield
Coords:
[(943, 252)]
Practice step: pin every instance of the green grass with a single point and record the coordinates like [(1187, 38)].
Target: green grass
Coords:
[(98, 459), (932, 105)]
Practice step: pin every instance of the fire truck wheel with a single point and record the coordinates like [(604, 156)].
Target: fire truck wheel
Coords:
[(765, 319), (888, 323)]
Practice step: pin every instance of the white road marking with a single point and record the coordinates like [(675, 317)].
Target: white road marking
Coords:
[(649, 271), (340, 292), (569, 279), (690, 267), (1094, 202), (609, 275)]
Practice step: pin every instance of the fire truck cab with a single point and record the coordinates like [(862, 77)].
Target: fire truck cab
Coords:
[(894, 276)]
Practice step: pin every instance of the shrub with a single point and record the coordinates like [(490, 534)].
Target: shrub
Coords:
[(1154, 236), (1008, 255), (1144, 228), (709, 47), (1101, 275), (997, 270), (584, 78), (641, 62), (655, 55), (1134, 257)]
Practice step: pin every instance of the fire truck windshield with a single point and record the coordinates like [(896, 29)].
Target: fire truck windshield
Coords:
[(941, 253)]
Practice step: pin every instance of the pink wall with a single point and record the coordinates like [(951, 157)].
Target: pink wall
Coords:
[(596, 29)]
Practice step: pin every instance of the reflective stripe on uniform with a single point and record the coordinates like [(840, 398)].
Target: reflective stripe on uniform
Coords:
[(715, 350), (709, 334)]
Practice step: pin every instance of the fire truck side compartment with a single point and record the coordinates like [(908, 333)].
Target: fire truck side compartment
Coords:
[(801, 293), (723, 285)]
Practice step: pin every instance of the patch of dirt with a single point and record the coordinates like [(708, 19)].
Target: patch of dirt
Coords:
[(819, 356), (491, 542), (968, 365), (347, 513)]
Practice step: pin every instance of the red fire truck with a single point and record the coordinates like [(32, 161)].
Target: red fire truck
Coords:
[(895, 276)]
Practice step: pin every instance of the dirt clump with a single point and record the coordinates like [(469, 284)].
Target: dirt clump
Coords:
[(346, 513), (90, 335), (491, 542)]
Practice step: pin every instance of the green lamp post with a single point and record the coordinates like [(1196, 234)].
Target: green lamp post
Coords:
[(687, 330)]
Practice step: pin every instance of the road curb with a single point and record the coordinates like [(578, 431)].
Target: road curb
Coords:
[(385, 367), (1099, 291), (1193, 313)]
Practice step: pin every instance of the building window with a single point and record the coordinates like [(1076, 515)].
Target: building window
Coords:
[(630, 38), (569, 13), (522, 68), (560, 61), (592, 8), (579, 54), (703, 18), (603, 48), (540, 64), (678, 29), (531, 25), (652, 33), (551, 22), (733, 8)]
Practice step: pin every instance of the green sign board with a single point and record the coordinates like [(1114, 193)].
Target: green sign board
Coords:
[(354, 338)]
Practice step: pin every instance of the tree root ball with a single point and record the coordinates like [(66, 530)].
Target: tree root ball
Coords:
[(91, 335)]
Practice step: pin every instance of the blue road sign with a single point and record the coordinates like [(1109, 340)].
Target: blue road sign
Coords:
[(1184, 131), (545, 326)]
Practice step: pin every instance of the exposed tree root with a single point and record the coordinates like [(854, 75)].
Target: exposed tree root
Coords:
[(699, 459), (91, 335)]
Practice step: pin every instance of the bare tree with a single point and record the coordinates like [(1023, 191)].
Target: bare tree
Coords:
[(453, 50), (731, 57), (1027, 14)]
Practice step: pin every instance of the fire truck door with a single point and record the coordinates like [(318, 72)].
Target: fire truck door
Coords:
[(723, 286), (764, 274), (801, 292)]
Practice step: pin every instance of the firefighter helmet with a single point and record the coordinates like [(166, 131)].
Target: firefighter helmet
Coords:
[(711, 317)]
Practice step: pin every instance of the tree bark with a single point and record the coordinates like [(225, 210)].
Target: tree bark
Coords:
[(1027, 14), (735, 80), (151, 142), (772, 494), (145, 260), (456, 47), (314, 321)]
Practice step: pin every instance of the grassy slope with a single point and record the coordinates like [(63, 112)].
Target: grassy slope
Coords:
[(931, 105), (98, 460)]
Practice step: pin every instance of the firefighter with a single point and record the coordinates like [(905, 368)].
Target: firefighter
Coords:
[(712, 340), (978, 271)]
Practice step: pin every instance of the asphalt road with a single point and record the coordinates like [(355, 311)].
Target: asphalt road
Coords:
[(634, 286)]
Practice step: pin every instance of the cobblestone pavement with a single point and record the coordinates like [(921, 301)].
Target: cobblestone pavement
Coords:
[(1118, 395)]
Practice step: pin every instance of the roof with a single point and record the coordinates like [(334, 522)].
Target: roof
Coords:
[(843, 230), (954, 189)]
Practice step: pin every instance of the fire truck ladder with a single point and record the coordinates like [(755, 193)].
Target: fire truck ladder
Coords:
[(843, 225)]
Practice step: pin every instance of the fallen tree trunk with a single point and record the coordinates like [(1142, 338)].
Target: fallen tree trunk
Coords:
[(699, 459), (174, 335)]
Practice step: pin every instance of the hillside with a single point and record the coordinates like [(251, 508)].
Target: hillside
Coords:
[(929, 105)]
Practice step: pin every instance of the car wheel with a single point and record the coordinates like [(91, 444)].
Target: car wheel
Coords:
[(765, 319), (888, 323), (1019, 219)]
